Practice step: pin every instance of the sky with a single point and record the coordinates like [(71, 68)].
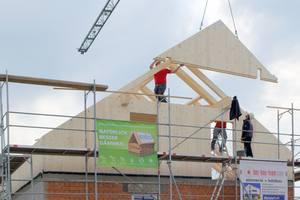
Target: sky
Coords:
[(41, 38)]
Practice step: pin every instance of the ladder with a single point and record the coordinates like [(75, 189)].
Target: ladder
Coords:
[(222, 176), (4, 179)]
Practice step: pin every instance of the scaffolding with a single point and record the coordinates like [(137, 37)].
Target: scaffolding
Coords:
[(13, 156)]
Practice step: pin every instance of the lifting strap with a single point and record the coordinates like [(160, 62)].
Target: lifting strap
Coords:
[(235, 30)]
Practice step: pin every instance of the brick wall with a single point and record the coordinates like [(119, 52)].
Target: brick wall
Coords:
[(65, 190)]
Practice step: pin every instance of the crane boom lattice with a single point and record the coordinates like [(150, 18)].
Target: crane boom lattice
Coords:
[(97, 26)]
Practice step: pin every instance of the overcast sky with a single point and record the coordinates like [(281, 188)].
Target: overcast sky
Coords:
[(40, 39)]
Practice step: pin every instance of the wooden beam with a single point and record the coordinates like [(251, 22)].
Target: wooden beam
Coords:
[(226, 102), (52, 82), (283, 108), (141, 97), (125, 99), (194, 85), (147, 81), (147, 94), (207, 81), (194, 100), (143, 117), (134, 97), (197, 104), (146, 90)]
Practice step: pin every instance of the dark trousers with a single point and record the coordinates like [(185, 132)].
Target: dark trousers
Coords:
[(160, 89), (247, 144)]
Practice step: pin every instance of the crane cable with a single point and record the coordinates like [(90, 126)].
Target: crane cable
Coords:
[(231, 17), (203, 15)]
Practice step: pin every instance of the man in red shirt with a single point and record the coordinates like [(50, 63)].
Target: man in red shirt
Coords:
[(160, 79)]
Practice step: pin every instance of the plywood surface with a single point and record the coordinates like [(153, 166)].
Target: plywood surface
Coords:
[(216, 48)]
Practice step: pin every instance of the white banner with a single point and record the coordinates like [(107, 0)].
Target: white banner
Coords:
[(263, 180)]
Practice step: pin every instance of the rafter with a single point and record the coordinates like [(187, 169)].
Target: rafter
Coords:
[(194, 85), (208, 82), (146, 90), (146, 82), (141, 97), (194, 101), (134, 97)]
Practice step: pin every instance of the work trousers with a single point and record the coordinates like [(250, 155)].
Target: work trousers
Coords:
[(247, 145), (160, 89)]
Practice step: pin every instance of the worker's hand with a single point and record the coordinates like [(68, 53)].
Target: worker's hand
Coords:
[(156, 62), (181, 65)]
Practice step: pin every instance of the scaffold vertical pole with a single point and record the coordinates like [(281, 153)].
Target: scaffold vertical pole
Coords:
[(95, 140), (293, 151), (224, 174), (235, 158), (86, 158), (1, 120), (157, 131), (2, 141), (170, 156), (31, 174), (278, 134), (8, 183), (158, 171), (222, 143)]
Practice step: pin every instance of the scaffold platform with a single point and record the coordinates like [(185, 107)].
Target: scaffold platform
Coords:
[(19, 153)]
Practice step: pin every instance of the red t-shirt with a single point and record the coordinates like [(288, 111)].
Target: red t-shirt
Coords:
[(161, 76), (219, 124)]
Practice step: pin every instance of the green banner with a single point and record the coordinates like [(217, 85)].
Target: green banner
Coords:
[(127, 144)]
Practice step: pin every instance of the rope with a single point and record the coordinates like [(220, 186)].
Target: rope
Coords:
[(203, 15), (233, 19)]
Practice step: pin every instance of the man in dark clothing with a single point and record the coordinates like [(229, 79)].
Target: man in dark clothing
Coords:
[(247, 134)]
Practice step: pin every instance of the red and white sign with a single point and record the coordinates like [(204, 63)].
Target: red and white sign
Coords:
[(263, 180)]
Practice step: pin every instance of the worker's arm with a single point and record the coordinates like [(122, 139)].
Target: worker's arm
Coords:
[(175, 70), (152, 64)]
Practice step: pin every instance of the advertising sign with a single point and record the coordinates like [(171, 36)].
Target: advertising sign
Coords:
[(263, 180), (127, 144)]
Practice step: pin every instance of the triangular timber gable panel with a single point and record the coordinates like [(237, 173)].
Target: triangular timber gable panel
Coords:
[(216, 48)]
